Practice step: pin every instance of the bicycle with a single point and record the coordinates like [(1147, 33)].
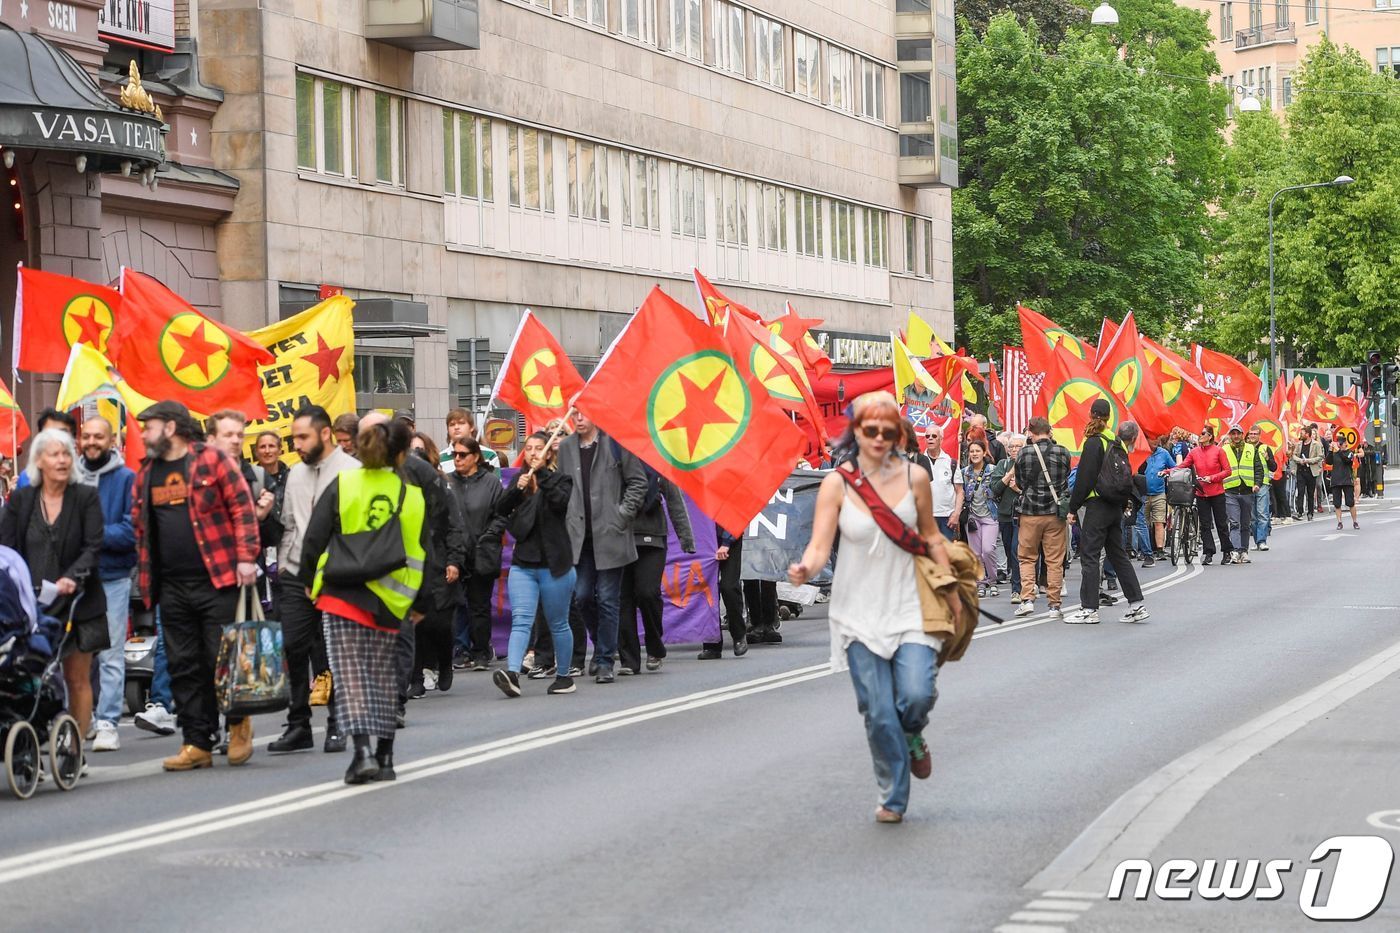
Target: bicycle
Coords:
[(1183, 534)]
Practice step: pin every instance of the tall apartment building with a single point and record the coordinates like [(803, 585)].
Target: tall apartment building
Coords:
[(1260, 44), (449, 163)]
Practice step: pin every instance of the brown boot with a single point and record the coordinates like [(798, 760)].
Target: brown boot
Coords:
[(189, 759), (240, 743)]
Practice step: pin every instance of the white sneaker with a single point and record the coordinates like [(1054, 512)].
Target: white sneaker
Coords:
[(1083, 617), (1026, 608), (1263, 547), (1064, 589), (106, 739), (1057, 614), (1136, 613), (155, 718), (429, 679)]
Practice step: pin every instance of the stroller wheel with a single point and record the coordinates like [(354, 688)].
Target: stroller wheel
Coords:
[(22, 759), (65, 751)]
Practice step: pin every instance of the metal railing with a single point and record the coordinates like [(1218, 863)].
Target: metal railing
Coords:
[(1264, 35)]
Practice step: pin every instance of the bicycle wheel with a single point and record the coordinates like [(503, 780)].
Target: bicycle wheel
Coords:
[(65, 752), (1193, 536), (1174, 536)]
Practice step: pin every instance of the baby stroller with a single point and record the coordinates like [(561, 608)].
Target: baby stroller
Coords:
[(33, 697)]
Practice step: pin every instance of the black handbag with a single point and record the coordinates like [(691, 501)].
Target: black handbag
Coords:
[(357, 558)]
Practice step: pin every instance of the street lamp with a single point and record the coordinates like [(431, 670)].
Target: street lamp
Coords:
[(1341, 181), (1250, 104), (1104, 15)]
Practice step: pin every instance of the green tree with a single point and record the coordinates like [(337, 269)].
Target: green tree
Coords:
[(1336, 279), (1054, 18), (1070, 201)]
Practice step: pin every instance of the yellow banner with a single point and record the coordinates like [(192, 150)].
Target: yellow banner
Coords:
[(314, 365)]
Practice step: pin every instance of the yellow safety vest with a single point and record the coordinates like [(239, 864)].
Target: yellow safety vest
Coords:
[(1241, 466), (362, 493)]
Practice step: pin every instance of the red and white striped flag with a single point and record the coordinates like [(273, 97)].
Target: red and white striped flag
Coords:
[(1021, 388)]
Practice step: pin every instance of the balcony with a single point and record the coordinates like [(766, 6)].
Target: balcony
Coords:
[(424, 25), (1264, 35)]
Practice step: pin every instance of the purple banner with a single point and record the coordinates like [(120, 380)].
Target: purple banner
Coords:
[(689, 585)]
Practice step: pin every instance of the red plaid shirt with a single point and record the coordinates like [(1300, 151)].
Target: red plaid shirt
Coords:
[(221, 510)]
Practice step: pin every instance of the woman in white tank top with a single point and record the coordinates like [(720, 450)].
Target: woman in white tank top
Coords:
[(876, 621)]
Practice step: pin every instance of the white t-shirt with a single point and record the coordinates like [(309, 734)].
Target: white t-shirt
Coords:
[(945, 478)]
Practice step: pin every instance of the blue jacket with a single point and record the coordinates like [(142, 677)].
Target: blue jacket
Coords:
[(114, 482), (1161, 459)]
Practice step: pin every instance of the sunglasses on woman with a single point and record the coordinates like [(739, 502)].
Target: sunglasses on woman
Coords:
[(873, 431)]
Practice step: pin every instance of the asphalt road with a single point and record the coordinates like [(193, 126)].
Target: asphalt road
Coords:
[(738, 794)]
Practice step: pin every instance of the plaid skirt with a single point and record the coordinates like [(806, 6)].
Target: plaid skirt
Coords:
[(366, 693)]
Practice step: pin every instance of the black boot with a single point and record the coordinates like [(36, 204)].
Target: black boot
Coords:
[(363, 767), (384, 754), (296, 738), (335, 738)]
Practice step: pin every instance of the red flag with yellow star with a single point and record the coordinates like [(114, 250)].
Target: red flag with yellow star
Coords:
[(1051, 336), (1122, 366), (1272, 433), (14, 430), (168, 350), (671, 390), (717, 305), (1070, 388), (53, 312), (537, 379), (796, 330)]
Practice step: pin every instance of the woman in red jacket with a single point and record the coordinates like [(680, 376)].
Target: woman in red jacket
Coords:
[(1212, 469)]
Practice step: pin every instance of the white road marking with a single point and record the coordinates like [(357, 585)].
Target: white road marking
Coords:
[(1026, 928), (1135, 824), (1059, 903), (1077, 895), (1385, 819), (1334, 537), (1042, 916)]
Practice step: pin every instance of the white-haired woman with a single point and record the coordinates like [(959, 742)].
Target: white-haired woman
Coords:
[(56, 526), (877, 625)]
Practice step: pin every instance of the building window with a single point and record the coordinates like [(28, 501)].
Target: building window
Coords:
[(768, 52), (876, 231), (687, 201), (727, 29), (388, 138), (594, 12), (326, 126), (1287, 84), (638, 19), (731, 210), (928, 248), (911, 249), (1388, 61), (1266, 83), (1256, 16), (772, 227), (588, 180), (843, 226), (840, 64), (1310, 11), (641, 207), (530, 158), (1227, 21), (872, 89), (809, 225), (686, 37), (806, 56), (466, 155), (1281, 12)]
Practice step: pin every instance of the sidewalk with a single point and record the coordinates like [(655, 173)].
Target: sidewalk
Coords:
[(1338, 775)]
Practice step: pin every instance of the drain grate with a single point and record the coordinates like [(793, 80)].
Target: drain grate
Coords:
[(257, 858)]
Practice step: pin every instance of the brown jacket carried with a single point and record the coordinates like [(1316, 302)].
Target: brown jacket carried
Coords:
[(933, 578)]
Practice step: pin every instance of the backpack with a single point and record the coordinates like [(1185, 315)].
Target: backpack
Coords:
[(1115, 482), (653, 493)]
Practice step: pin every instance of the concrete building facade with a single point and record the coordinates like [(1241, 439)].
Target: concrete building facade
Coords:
[(584, 151)]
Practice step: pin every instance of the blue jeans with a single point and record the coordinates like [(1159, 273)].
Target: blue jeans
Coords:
[(1263, 514), (599, 594), (160, 674), (111, 664), (1143, 539), (536, 587), (895, 697)]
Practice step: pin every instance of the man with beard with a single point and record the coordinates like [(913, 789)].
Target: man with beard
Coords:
[(195, 554), (100, 467), (303, 638)]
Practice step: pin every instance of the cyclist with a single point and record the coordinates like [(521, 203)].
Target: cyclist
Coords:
[(1212, 469)]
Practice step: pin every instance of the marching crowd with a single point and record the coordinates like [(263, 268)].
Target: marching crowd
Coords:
[(378, 552)]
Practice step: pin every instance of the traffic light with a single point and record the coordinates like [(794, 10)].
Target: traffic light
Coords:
[(1391, 373), (1358, 377), (1375, 373)]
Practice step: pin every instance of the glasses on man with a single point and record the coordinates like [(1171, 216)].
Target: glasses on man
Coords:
[(872, 431), (461, 454)]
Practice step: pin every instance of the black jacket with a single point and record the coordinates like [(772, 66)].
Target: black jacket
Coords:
[(80, 530), (446, 544), (550, 514), (649, 529), (476, 497)]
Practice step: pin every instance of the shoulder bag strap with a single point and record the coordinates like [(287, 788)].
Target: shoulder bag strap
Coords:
[(1046, 470), (891, 524)]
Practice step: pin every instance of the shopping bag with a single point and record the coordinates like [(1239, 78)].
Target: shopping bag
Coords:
[(250, 677)]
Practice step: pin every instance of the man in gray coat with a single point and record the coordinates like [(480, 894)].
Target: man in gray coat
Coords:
[(609, 488)]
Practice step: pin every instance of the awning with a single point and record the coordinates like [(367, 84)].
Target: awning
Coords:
[(47, 101)]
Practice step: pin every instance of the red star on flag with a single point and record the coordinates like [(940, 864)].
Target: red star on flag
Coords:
[(195, 349), (546, 378), (91, 328), (1077, 412), (326, 359), (701, 409)]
